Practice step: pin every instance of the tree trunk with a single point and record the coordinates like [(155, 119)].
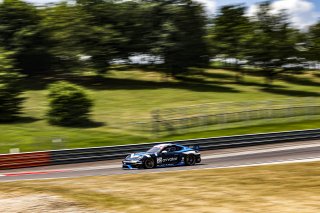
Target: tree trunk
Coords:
[(239, 72), (269, 77)]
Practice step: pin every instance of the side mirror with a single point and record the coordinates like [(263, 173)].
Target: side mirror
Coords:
[(164, 152)]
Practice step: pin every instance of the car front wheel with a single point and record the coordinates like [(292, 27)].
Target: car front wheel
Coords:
[(148, 163)]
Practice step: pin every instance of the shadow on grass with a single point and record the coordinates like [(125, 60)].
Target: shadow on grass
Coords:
[(231, 81), (293, 79), (295, 93), (263, 85), (146, 68), (20, 120), (104, 83), (35, 83), (244, 71), (86, 124), (90, 124), (299, 80), (41, 82), (107, 83), (218, 75)]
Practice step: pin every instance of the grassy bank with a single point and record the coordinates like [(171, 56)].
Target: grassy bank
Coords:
[(28, 138), (265, 189), (121, 97)]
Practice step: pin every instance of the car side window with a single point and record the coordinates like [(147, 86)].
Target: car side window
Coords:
[(177, 148), (170, 149), (166, 149)]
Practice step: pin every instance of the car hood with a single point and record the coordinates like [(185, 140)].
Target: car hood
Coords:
[(139, 154)]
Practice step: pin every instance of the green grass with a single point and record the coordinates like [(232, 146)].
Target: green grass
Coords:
[(271, 127), (124, 96), (282, 188)]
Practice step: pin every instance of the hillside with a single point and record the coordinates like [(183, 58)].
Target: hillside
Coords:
[(129, 95)]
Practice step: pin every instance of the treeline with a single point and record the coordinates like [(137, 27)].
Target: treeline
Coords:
[(60, 36), (54, 37), (267, 41)]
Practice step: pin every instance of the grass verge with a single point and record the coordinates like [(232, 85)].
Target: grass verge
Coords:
[(282, 188), (28, 138)]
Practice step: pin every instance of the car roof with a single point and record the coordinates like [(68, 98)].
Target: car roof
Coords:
[(163, 145)]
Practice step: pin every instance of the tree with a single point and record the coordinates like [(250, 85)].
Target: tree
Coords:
[(102, 40), (20, 33), (230, 33), (69, 104), (65, 26), (314, 42), (106, 30), (10, 90), (272, 43), (181, 42)]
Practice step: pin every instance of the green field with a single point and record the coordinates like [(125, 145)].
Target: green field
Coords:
[(282, 188), (129, 95)]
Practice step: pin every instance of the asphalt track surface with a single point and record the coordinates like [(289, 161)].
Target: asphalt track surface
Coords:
[(224, 158)]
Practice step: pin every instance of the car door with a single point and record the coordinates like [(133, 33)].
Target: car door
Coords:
[(178, 153), (169, 155)]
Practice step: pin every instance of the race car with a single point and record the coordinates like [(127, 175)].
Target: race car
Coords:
[(163, 155)]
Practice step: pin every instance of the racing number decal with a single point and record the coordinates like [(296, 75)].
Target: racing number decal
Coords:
[(159, 160)]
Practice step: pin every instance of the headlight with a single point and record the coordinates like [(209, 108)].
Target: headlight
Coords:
[(132, 157), (138, 158)]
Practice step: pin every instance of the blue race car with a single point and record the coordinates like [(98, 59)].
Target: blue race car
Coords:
[(163, 155)]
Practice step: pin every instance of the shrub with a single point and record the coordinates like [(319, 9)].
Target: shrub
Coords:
[(69, 104), (10, 90)]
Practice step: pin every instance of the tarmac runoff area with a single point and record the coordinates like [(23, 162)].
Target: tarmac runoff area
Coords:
[(304, 151)]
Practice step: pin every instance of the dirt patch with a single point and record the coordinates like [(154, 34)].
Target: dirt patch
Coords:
[(16, 203)]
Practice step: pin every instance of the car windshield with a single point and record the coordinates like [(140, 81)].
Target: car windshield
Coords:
[(154, 150)]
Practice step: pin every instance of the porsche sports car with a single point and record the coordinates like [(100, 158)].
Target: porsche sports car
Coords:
[(163, 155)]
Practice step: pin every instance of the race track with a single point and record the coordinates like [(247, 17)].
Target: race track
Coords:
[(224, 158)]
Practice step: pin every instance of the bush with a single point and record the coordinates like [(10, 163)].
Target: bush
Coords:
[(10, 101), (69, 104), (10, 90)]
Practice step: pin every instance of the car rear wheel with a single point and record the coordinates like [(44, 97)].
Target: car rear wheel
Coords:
[(148, 163), (190, 160)]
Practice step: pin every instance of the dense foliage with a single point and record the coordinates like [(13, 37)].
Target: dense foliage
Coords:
[(21, 33), (108, 30), (95, 33), (10, 90), (69, 104), (267, 41), (230, 32), (314, 42)]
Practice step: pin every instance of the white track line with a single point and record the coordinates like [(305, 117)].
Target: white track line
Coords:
[(259, 151), (65, 170), (298, 160), (113, 166), (304, 160), (181, 170)]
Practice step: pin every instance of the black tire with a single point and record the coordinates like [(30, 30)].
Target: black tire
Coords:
[(190, 160), (198, 159), (148, 163)]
